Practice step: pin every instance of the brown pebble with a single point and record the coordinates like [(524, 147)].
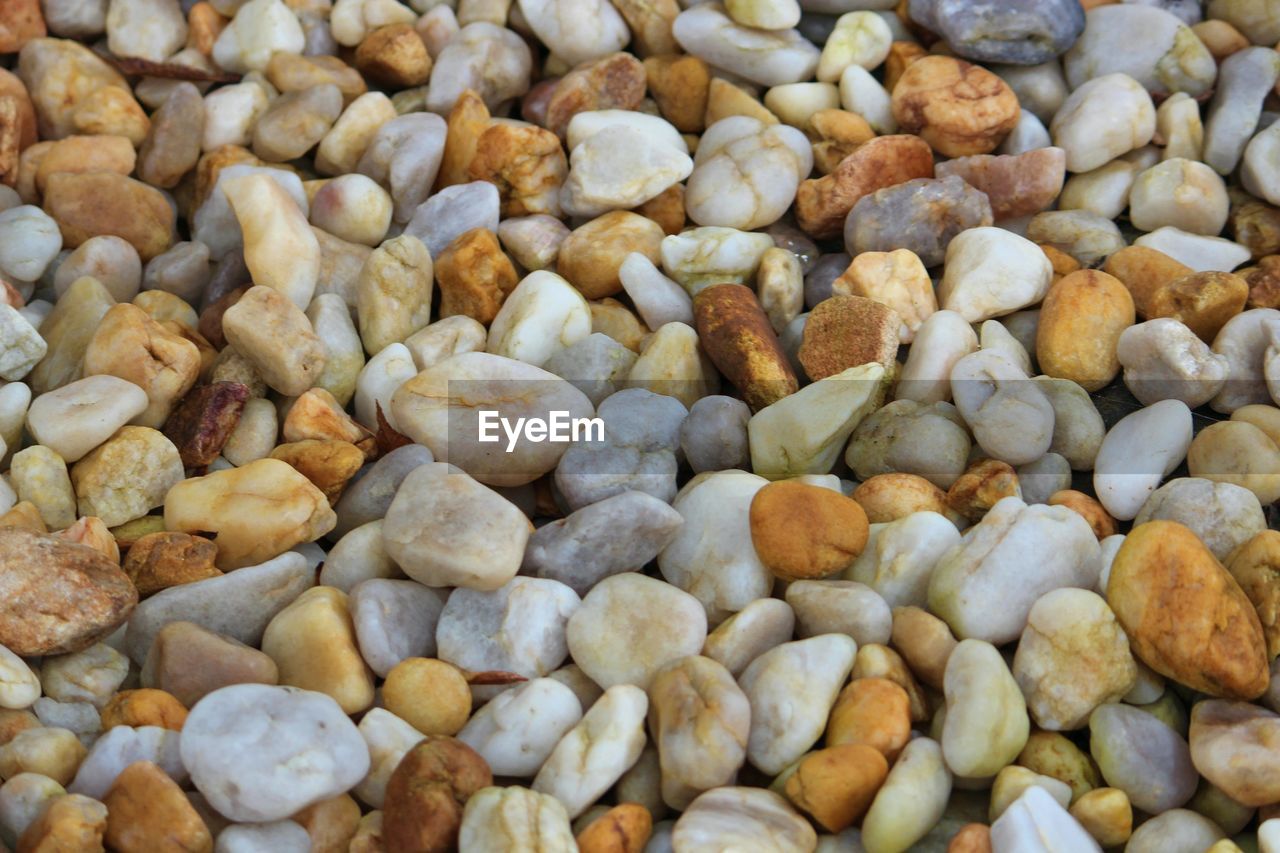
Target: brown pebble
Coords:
[(1144, 271), (823, 203), (1087, 508), (98, 203), (160, 560), (527, 164), (189, 662), (613, 82), (1081, 320), (666, 209), (679, 85), (836, 785), (394, 56), (972, 838), (624, 828), (71, 824), (874, 712), (427, 792), (20, 21), (848, 331), (1204, 301), (331, 823), (56, 596), (888, 497), (739, 340), (148, 813), (982, 484), (201, 424), (959, 108), (329, 465), (1264, 283), (590, 256), (474, 276)]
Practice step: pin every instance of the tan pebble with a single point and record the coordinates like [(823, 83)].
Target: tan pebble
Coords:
[(958, 108), (526, 163), (1144, 272), (394, 56), (982, 484), (1053, 754), (591, 255), (896, 279), (256, 512), (1220, 38), (1203, 301), (837, 133), (290, 72), (613, 82), (99, 203), (736, 335), (1256, 567), (466, 122), (925, 643), (53, 752), (972, 838), (667, 209), (431, 695), (876, 661), (80, 154), (724, 99), (801, 531), (91, 531), (331, 823), (328, 464), (1106, 814), (190, 662), (901, 55), (277, 339), (1237, 452), (888, 497), (313, 643), (131, 345)]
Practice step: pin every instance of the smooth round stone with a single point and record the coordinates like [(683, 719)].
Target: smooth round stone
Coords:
[(1137, 453), (629, 626), (595, 753), (922, 215), (1148, 43), (746, 173), (658, 299), (901, 555), (1223, 515), (440, 409), (840, 607), (912, 799), (1247, 342), (76, 418), (769, 58), (894, 438), (452, 212), (19, 686), (1011, 418), (502, 818), (516, 731), (596, 365), (986, 723), (1200, 253), (1141, 756), (576, 33), (1010, 32), (394, 620), (1165, 360), (791, 689), (519, 627), (711, 556), (1180, 193), (1258, 171), (262, 753), (1244, 80), (368, 498), (618, 534), (714, 435), (1232, 747), (1071, 658), (542, 315), (985, 586), (713, 255), (740, 818), (1177, 831), (1102, 119), (749, 633), (122, 746), (860, 38), (282, 836)]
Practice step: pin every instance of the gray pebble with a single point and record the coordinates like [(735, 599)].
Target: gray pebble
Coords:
[(921, 215), (597, 366), (1018, 32), (714, 436), (368, 497)]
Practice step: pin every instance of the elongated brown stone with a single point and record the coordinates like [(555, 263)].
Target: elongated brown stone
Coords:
[(736, 335)]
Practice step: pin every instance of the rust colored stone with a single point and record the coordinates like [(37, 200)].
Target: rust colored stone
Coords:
[(848, 331), (1081, 321), (20, 22), (1144, 271), (823, 203), (394, 56), (981, 485), (958, 108), (527, 164), (427, 792), (802, 532), (56, 596), (624, 828), (201, 424), (329, 465), (613, 82), (98, 203), (70, 823), (1015, 184), (1087, 508), (741, 343), (836, 785), (474, 276), (679, 85), (666, 209), (144, 707), (148, 813), (1204, 301), (874, 712), (160, 560)]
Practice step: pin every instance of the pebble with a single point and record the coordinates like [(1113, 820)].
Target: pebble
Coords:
[(31, 242), (701, 722), (1172, 58), (1223, 515), (1179, 193), (823, 203), (518, 729), (597, 751), (1244, 79), (1034, 818), (502, 817), (270, 770), (744, 636), (1196, 251), (747, 818), (1084, 237), (1164, 360), (745, 173), (912, 799), (1084, 353), (1130, 463), (109, 259), (927, 95), (121, 746), (769, 58), (1006, 32), (1141, 756), (258, 29), (1239, 453), (189, 662), (980, 265), (712, 255), (921, 216), (1015, 185), (1102, 119), (791, 689)]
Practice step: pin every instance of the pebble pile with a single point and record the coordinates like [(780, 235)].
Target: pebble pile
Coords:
[(928, 354)]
